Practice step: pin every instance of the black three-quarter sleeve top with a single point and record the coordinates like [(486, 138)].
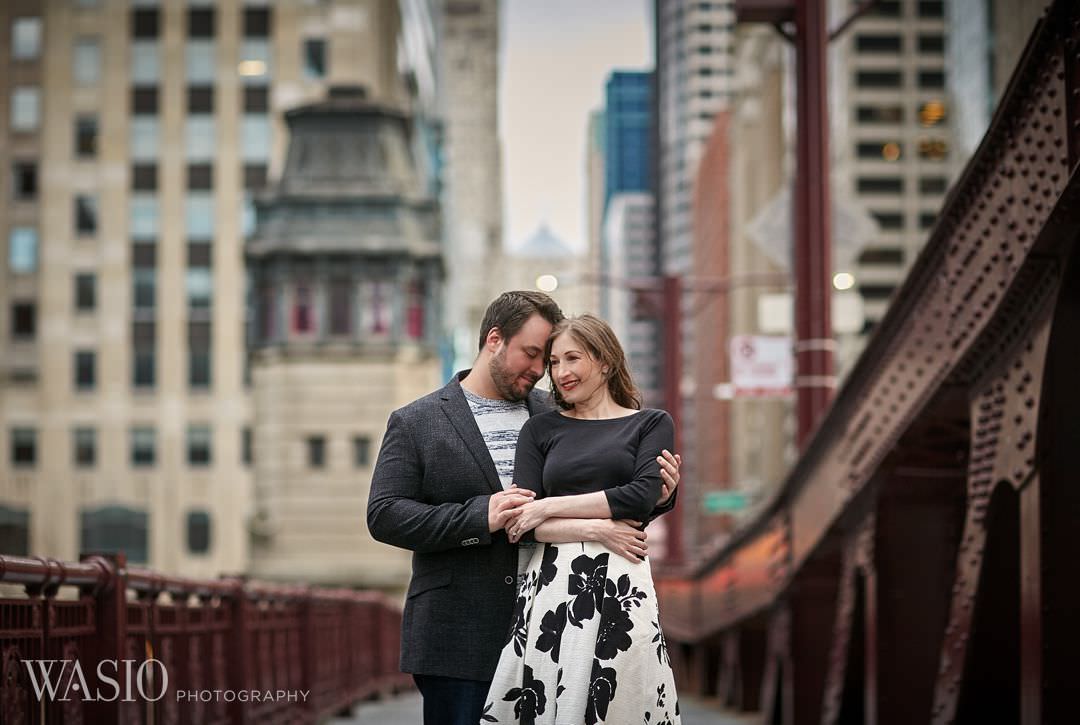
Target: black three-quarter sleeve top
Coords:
[(560, 456)]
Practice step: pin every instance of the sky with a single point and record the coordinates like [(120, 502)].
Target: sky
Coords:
[(556, 57)]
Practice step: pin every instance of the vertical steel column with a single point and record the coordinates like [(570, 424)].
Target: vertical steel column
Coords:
[(813, 258), (672, 307)]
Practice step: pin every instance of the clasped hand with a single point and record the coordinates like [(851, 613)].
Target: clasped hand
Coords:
[(528, 516)]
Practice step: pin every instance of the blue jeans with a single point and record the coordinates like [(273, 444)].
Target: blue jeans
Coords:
[(450, 701)]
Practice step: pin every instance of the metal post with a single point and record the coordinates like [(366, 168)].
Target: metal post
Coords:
[(672, 317), (813, 258)]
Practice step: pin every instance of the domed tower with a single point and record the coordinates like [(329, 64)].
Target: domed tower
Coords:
[(345, 271)]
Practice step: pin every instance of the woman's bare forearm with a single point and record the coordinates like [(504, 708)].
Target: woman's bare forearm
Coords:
[(578, 506), (567, 530)]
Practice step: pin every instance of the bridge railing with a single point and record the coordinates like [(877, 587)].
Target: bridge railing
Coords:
[(98, 641)]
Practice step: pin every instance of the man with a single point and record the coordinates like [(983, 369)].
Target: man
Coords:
[(442, 487)]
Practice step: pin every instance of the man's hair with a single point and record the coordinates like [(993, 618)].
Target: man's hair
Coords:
[(511, 310)]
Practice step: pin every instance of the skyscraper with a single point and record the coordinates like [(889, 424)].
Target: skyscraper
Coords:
[(628, 133), (136, 134)]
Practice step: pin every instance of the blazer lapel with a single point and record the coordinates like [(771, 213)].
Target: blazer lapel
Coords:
[(460, 414)]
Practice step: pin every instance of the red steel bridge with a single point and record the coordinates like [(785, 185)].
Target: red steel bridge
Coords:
[(918, 564)]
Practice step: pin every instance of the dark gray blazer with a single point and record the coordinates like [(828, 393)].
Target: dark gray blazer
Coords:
[(429, 494)]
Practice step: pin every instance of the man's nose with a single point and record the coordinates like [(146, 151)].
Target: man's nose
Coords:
[(538, 368)]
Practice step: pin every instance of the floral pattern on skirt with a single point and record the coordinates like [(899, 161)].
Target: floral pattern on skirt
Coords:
[(585, 644)]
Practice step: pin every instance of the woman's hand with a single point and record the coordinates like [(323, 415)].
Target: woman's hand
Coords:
[(623, 538), (669, 474), (529, 516)]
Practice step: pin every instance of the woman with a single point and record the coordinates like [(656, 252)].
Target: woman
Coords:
[(586, 645)]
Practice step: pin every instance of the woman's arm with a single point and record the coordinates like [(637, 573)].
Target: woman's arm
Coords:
[(620, 537)]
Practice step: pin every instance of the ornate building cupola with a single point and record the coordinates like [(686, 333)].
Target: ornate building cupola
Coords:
[(346, 249)]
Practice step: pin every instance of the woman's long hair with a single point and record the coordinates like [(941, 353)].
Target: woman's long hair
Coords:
[(601, 343)]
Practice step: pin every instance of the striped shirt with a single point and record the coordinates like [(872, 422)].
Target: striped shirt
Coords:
[(500, 423)]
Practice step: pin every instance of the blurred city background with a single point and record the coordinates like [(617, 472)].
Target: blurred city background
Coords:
[(237, 234)]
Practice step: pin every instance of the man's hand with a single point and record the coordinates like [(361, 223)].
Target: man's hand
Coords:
[(623, 538), (504, 506), (529, 516), (669, 474)]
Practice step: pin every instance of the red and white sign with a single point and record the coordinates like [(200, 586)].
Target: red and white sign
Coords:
[(761, 366)]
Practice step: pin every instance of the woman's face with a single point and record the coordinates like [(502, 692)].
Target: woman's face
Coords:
[(577, 374)]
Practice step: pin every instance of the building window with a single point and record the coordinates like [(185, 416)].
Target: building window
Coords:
[(84, 447), (315, 58), (200, 99), (888, 220), (878, 79), (144, 367), (933, 149), (143, 446), (23, 320), (254, 178), (934, 79), (198, 532), (144, 177), (879, 185), (932, 113), (85, 370), (86, 136), (933, 185), (85, 292), (340, 307), (86, 215), (879, 114), (879, 292), (255, 138), (86, 62), (24, 180), (414, 312), (256, 99), (361, 451), (199, 360), (246, 446), (200, 288), (145, 283), (144, 216), (23, 447), (199, 443), (144, 23), (200, 177), (886, 9), (14, 532), (255, 68), (303, 314), (932, 44), (927, 219), (25, 108), (144, 101), (22, 250), (25, 38), (316, 451), (200, 62), (145, 62), (144, 139), (882, 256), (199, 215), (928, 9), (200, 22), (200, 138), (257, 22), (115, 529), (865, 43), (880, 150)]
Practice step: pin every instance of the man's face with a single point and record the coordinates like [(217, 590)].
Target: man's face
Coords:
[(518, 363)]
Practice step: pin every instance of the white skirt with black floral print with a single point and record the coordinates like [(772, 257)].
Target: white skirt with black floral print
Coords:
[(585, 645)]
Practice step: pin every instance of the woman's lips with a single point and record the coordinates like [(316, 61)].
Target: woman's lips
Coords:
[(568, 386)]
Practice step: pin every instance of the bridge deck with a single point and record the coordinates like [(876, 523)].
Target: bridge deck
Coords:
[(405, 710)]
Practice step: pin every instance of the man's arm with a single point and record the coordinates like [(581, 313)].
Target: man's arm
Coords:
[(397, 515)]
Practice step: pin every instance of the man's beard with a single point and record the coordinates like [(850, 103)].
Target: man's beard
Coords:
[(504, 379)]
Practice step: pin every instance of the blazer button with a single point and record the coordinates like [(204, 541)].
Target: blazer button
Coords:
[(509, 580)]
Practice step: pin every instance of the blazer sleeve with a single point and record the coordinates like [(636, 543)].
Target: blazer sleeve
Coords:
[(637, 499), (396, 512)]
